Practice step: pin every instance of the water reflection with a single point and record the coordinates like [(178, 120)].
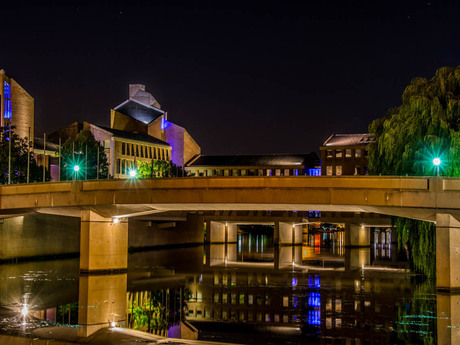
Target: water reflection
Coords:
[(247, 292)]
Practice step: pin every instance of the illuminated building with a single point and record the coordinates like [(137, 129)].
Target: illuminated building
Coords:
[(142, 113), (124, 149), (345, 154), (17, 106), (255, 165)]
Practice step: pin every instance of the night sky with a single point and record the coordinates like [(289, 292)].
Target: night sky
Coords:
[(240, 76)]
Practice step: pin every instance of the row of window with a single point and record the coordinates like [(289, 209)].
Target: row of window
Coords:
[(241, 315), (144, 151), (250, 172), (358, 170), (347, 153)]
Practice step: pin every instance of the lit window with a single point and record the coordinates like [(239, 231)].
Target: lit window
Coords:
[(329, 153), (338, 170), (7, 100), (348, 153), (329, 170), (285, 301), (338, 153), (358, 153)]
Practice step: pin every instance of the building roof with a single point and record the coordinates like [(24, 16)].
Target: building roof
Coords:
[(134, 136), (139, 111), (308, 159), (349, 139), (50, 144)]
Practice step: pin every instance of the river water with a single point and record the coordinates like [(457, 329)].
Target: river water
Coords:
[(250, 292)]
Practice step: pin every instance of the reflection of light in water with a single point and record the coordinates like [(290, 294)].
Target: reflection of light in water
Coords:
[(25, 310), (294, 281), (262, 244), (250, 243)]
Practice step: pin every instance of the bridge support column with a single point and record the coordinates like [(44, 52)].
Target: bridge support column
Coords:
[(102, 300), (215, 232), (232, 233), (103, 243), (287, 234), (447, 252), (357, 236)]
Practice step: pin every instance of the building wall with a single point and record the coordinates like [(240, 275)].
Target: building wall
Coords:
[(126, 157), (22, 107), (191, 148), (65, 133), (247, 171), (38, 235), (126, 123), (184, 147), (354, 163), (23, 110)]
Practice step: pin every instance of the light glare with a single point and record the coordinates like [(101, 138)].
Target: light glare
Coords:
[(437, 161), (132, 173), (76, 168)]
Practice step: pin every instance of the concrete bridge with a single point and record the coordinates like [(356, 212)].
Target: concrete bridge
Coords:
[(103, 206)]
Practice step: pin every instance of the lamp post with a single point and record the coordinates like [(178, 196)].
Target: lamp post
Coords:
[(437, 163)]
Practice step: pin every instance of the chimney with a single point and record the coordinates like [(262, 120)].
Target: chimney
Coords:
[(133, 88)]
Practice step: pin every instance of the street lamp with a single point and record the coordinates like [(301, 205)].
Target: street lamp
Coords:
[(132, 173), (437, 163), (76, 169)]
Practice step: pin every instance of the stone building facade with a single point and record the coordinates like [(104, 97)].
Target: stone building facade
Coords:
[(255, 165), (142, 113), (17, 106), (345, 154), (124, 149)]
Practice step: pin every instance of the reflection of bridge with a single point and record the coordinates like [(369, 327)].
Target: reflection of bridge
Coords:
[(104, 241)]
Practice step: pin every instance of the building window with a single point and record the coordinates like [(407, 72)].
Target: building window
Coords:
[(348, 153), (329, 154), (7, 100), (329, 170), (338, 170), (123, 148), (118, 166), (358, 153), (338, 153)]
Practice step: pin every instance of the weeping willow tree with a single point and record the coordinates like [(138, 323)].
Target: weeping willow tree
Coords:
[(426, 125)]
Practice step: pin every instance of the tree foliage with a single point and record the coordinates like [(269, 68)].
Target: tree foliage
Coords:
[(158, 168), (83, 152), (19, 152), (426, 125)]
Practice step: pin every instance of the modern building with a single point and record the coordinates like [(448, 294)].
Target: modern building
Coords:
[(142, 113), (124, 149), (255, 165), (345, 154), (16, 106)]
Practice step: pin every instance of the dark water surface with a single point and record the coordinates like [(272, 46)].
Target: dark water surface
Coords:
[(250, 292)]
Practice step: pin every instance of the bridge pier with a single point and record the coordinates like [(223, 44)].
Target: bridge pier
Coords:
[(447, 253), (103, 243), (102, 301), (357, 236), (221, 232), (287, 234)]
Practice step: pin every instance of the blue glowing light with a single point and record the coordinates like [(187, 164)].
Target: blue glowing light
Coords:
[(314, 172), (6, 96), (314, 317), (164, 123), (314, 299), (294, 281), (314, 281)]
